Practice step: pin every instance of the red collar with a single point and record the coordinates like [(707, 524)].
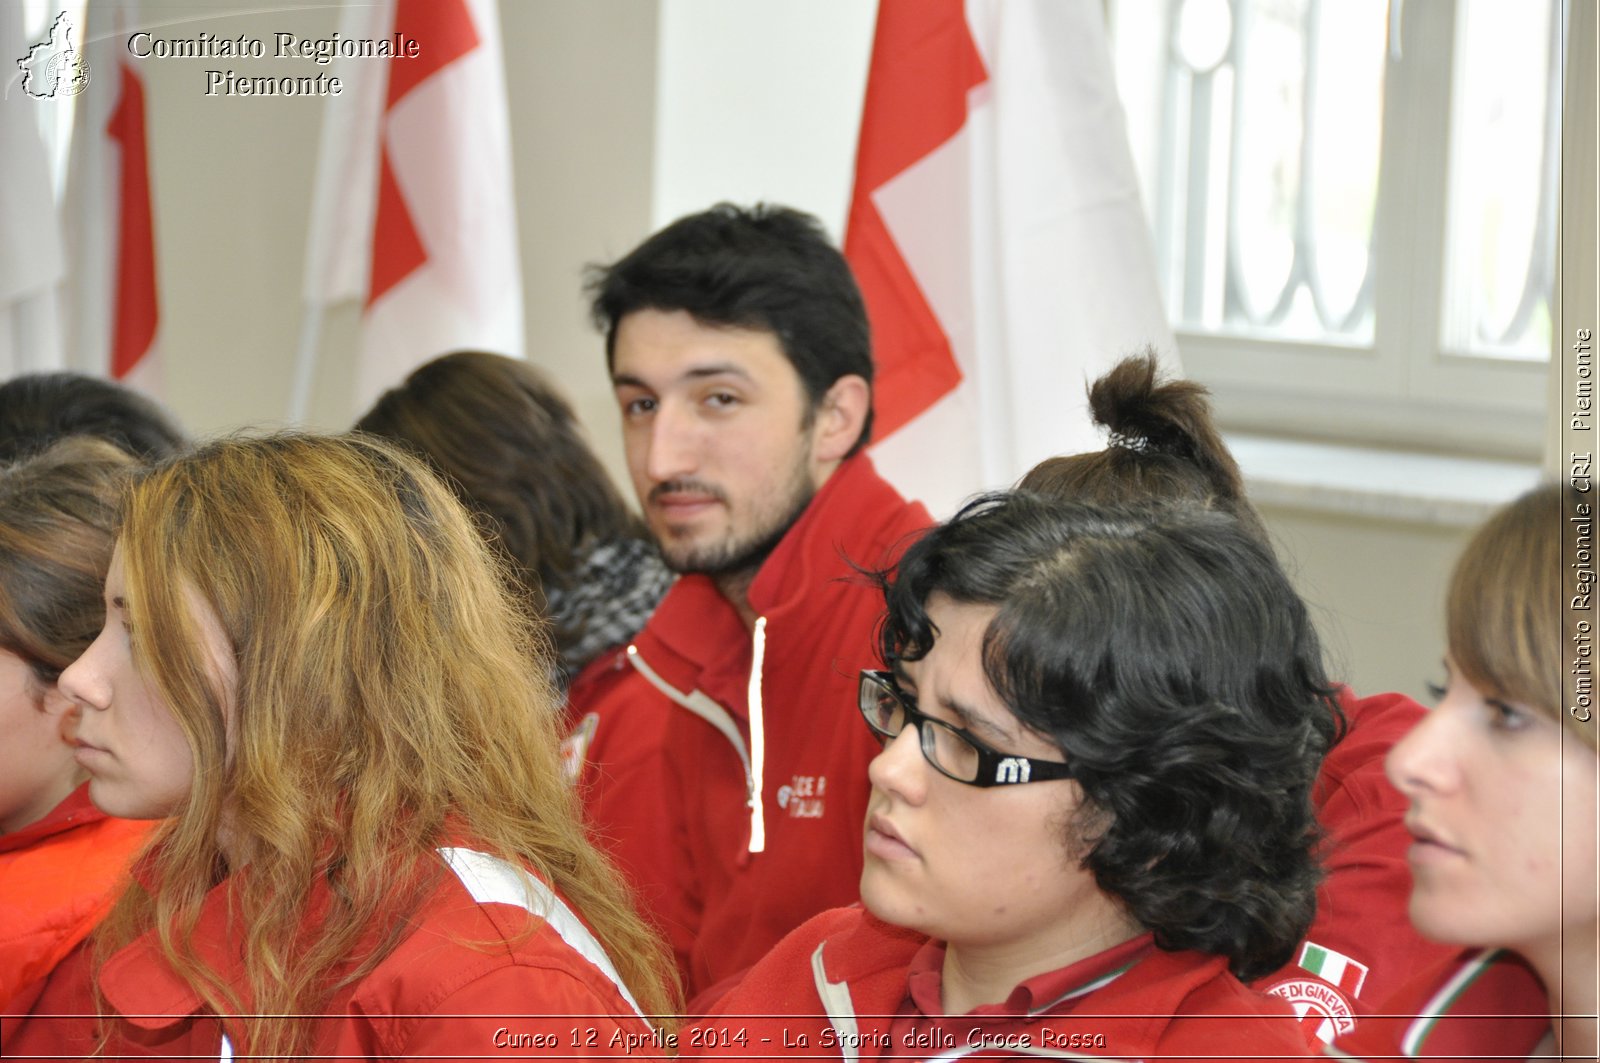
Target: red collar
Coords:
[(854, 516), (139, 981), (847, 516), (1037, 995), (74, 811)]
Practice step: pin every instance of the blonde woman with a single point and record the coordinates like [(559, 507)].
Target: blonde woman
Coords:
[(1502, 780), (311, 664)]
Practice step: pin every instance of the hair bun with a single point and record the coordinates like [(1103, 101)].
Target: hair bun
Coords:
[(1141, 413)]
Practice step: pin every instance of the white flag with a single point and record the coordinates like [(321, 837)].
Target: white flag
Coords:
[(39, 75), (414, 209), (113, 313), (996, 210)]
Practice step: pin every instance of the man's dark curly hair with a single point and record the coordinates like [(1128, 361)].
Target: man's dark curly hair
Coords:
[(765, 267), (1167, 656)]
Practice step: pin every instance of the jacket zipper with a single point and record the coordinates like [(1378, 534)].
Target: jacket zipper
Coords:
[(713, 713)]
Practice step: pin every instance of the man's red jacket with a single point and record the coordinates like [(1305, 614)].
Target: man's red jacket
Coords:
[(726, 768)]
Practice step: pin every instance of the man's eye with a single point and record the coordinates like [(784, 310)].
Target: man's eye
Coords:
[(635, 407), (722, 399)]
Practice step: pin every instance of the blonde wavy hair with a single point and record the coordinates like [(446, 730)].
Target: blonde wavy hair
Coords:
[(391, 695)]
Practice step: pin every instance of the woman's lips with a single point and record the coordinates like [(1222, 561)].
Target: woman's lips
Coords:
[(885, 842), (82, 748), (1427, 846)]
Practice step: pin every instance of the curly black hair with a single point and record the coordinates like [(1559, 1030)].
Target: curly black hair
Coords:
[(1167, 656)]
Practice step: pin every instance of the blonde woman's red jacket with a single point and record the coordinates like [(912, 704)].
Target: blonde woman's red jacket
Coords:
[(839, 987), (1361, 948), (740, 816), (58, 878), (492, 966), (1476, 1004)]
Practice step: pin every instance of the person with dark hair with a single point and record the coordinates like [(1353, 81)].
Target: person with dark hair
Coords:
[(1164, 450), (739, 353), (1091, 815), (511, 448), (1503, 783), (62, 861), (40, 408), (765, 269)]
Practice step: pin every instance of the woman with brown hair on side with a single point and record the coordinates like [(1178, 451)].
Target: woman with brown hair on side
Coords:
[(312, 665), (1164, 449), (511, 448), (61, 859), (1503, 779)]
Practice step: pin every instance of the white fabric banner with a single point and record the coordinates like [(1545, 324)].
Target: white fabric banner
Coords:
[(1026, 235), (31, 266), (414, 208), (105, 249)]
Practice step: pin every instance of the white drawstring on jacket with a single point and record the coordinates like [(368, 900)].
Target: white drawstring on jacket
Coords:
[(758, 739)]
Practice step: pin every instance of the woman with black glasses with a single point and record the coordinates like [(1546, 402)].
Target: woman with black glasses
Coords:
[(1091, 816)]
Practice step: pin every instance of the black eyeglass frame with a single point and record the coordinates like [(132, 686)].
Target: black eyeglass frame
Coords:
[(994, 767)]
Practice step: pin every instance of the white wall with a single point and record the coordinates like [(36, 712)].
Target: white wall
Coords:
[(760, 102), (1376, 591)]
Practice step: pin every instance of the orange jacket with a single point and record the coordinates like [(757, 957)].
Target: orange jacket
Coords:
[(58, 877)]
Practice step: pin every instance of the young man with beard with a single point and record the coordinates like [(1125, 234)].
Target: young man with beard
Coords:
[(720, 758)]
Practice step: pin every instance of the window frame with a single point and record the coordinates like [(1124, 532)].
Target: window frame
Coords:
[(1404, 388)]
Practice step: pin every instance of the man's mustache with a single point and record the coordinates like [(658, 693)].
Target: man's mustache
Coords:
[(686, 487)]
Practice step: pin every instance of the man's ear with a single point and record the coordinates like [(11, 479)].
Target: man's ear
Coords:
[(839, 417)]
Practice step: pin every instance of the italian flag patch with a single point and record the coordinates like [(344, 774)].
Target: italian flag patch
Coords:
[(1335, 968)]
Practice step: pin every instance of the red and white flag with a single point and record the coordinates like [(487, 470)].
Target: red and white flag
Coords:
[(113, 312), (414, 210), (997, 234), (31, 264)]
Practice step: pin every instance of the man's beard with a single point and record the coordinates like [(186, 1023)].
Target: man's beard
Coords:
[(739, 556)]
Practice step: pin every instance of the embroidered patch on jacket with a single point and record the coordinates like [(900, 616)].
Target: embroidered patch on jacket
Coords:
[(802, 797), (1324, 1004), (1319, 1005), (575, 747), (1335, 968)]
